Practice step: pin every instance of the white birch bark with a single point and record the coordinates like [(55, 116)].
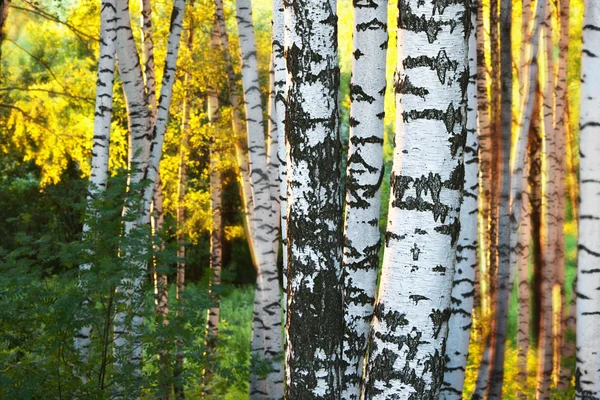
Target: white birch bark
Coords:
[(314, 325), (410, 324), (148, 55), (364, 176), (588, 273), (463, 286), (267, 343), (101, 143), (280, 77)]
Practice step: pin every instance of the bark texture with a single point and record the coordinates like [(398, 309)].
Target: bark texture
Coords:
[(463, 286), (362, 238), (314, 324), (588, 273), (410, 324)]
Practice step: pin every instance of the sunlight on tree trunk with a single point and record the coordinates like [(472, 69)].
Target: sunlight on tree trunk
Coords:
[(410, 325)]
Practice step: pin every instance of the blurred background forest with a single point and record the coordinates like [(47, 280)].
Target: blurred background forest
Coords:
[(48, 72)]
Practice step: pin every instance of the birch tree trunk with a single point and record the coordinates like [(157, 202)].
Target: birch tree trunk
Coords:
[(216, 234), (272, 160), (537, 224), (522, 258), (510, 187), (128, 321), (280, 76), (314, 325), (147, 140), (588, 273), (410, 325), (521, 195), (181, 190), (545, 348), (100, 146), (364, 176), (485, 157), (238, 132), (559, 178), (463, 286), (267, 343), (161, 295), (490, 165), (148, 55)]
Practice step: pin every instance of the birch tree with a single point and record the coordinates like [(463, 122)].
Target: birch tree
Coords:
[(314, 324), (216, 233), (147, 140), (545, 350), (463, 286), (588, 274), (485, 154), (410, 324), (364, 176), (101, 143), (280, 77), (521, 227), (267, 341), (509, 185), (559, 132)]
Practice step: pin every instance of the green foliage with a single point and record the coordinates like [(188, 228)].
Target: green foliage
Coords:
[(40, 311)]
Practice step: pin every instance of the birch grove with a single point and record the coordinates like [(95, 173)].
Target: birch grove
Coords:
[(259, 167), (410, 325)]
